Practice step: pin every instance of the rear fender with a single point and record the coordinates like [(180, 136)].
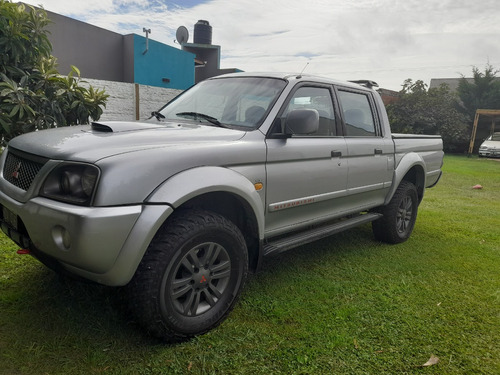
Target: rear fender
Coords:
[(410, 162)]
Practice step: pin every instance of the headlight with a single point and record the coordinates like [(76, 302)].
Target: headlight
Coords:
[(71, 183)]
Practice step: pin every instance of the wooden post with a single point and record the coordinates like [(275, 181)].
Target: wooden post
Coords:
[(137, 106), (473, 136)]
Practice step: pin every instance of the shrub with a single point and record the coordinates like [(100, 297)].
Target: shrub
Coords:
[(33, 95), (433, 111)]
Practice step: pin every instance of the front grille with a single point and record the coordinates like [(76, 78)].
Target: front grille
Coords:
[(21, 170)]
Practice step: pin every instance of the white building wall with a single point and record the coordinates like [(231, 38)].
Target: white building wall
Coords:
[(121, 104)]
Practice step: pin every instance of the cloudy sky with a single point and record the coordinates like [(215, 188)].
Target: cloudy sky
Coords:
[(386, 41)]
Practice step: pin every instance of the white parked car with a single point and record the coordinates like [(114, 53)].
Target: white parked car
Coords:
[(491, 146)]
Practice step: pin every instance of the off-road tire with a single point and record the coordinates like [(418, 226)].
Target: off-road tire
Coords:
[(190, 277), (399, 217)]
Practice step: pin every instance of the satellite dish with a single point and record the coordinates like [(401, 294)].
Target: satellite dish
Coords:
[(182, 35)]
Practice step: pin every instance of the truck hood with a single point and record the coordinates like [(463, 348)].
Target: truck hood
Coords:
[(103, 139)]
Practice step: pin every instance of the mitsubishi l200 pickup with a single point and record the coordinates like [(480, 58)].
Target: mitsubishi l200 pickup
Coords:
[(180, 207)]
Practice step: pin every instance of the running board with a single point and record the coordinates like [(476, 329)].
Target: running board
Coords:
[(295, 240)]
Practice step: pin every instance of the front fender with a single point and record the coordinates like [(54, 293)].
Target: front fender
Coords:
[(409, 161), (194, 182)]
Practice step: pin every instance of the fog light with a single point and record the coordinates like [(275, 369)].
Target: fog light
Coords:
[(61, 237)]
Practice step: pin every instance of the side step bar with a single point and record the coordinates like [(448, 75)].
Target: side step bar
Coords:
[(295, 240)]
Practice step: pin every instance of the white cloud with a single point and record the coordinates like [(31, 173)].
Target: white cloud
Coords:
[(77, 8), (384, 40)]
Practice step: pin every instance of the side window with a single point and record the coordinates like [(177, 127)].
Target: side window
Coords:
[(358, 114), (317, 98)]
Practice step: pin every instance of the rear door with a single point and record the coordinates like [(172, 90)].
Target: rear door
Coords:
[(370, 154)]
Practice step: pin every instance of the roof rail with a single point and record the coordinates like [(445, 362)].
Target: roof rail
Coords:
[(366, 83)]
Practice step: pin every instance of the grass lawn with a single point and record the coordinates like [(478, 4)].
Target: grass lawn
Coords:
[(344, 305)]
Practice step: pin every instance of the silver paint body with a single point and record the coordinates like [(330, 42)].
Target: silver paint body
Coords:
[(149, 169)]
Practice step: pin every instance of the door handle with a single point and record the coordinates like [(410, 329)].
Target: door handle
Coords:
[(336, 154), (378, 151)]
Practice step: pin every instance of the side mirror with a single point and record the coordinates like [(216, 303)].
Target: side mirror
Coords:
[(302, 121)]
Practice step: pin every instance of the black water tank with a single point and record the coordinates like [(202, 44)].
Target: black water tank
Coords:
[(202, 32)]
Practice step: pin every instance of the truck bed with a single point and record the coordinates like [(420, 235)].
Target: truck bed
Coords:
[(428, 147)]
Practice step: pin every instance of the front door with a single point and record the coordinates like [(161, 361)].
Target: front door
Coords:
[(305, 173)]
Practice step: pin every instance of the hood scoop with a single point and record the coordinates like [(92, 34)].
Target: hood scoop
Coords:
[(101, 127), (123, 126)]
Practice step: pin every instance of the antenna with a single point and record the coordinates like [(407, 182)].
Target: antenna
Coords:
[(300, 74), (182, 35)]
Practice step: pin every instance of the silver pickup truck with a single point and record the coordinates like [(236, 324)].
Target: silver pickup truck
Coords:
[(180, 207)]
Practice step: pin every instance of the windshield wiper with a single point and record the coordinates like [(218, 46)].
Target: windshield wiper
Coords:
[(158, 115), (210, 119)]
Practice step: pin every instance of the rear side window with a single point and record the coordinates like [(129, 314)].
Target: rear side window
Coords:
[(358, 114)]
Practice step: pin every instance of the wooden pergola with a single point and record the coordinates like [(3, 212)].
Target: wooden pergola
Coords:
[(494, 114)]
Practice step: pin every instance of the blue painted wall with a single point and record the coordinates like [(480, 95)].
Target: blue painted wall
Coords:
[(162, 61)]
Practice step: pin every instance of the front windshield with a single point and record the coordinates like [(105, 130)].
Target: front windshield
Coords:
[(239, 102)]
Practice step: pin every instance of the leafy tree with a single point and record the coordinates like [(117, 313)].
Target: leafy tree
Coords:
[(482, 93), (429, 111), (33, 96)]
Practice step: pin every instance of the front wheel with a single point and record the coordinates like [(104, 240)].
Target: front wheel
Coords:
[(190, 276), (399, 217)]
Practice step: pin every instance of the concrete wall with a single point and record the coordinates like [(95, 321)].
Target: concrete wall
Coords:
[(210, 55), (162, 65), (122, 99), (106, 55), (128, 59), (96, 52)]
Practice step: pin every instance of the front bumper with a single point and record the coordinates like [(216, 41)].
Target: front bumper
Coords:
[(494, 153), (102, 244)]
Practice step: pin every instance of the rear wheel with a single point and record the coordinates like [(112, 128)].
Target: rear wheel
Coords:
[(399, 217), (190, 276)]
